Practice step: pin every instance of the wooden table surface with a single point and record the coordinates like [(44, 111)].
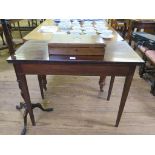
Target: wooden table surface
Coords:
[(116, 52), (36, 35)]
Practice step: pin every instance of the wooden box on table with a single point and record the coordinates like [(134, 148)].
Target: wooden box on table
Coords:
[(77, 46)]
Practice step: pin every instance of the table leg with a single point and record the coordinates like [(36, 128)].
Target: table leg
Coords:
[(102, 82), (125, 92), (110, 87), (40, 80), (26, 96), (28, 106), (42, 84)]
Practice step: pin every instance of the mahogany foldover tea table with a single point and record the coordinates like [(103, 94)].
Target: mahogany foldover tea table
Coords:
[(119, 60)]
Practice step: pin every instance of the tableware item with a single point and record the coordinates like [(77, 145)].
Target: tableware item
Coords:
[(100, 26), (57, 21), (88, 28), (65, 25), (48, 29), (87, 23), (75, 21), (75, 31), (107, 31), (76, 24), (100, 22), (102, 30), (65, 20), (91, 32), (77, 27), (106, 36)]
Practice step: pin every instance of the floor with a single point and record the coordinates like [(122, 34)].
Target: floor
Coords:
[(79, 108)]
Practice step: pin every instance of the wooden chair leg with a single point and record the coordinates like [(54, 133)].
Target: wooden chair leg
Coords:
[(19, 30), (110, 87), (1, 34)]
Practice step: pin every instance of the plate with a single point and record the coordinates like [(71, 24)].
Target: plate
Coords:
[(103, 31), (89, 32), (76, 27), (75, 31), (106, 36), (48, 29)]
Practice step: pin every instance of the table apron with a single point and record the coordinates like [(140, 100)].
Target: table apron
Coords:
[(74, 69)]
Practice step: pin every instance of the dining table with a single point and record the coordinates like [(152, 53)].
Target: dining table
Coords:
[(34, 58)]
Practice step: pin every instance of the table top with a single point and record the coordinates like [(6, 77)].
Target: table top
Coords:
[(36, 35), (35, 50)]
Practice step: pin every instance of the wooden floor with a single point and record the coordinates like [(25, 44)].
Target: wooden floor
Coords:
[(78, 108)]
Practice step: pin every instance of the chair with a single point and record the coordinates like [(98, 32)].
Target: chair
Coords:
[(41, 78), (120, 25), (147, 70), (1, 34), (14, 21)]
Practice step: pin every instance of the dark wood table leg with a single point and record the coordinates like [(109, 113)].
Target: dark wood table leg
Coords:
[(125, 92), (42, 84), (102, 82), (110, 87), (26, 96), (40, 80), (28, 106)]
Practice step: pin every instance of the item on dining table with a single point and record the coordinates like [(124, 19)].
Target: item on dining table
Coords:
[(48, 29)]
